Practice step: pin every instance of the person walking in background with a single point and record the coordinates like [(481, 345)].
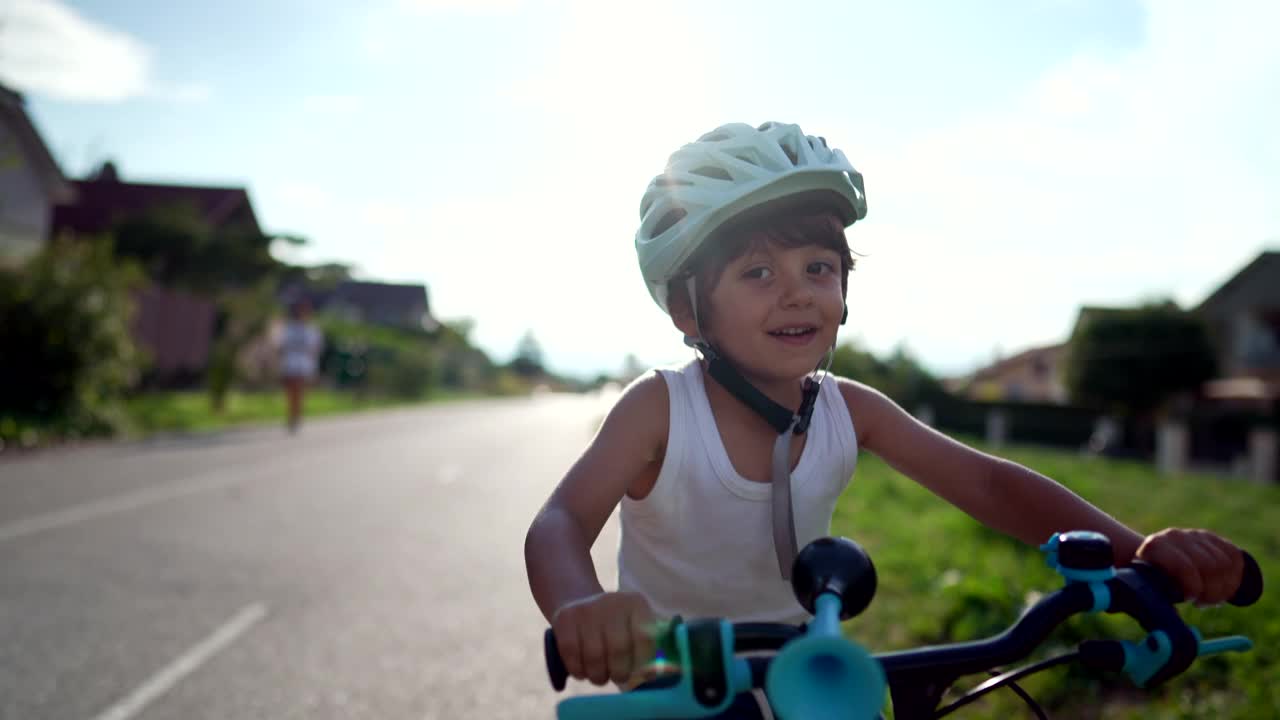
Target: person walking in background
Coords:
[(299, 342)]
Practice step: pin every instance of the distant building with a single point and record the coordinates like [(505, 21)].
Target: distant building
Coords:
[(1243, 319), (1243, 316), (1033, 376), (394, 305), (104, 200), (31, 184), (176, 328)]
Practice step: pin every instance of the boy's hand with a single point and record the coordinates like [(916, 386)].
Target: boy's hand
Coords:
[(605, 637), (1207, 567)]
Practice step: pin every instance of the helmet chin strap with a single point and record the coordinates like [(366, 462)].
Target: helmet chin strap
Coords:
[(787, 423)]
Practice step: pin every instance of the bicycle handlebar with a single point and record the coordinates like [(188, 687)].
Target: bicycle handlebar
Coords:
[(1141, 591)]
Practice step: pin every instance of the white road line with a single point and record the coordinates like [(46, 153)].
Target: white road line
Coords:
[(110, 506), (166, 679)]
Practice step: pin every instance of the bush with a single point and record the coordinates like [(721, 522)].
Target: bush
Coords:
[(1029, 423), (406, 374), (69, 357), (378, 360), (899, 375)]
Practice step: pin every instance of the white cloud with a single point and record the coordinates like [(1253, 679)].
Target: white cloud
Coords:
[(47, 47), (1109, 181)]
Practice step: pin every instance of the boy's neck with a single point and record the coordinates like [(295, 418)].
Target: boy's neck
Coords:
[(786, 393)]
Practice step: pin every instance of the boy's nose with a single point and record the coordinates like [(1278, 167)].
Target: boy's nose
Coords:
[(797, 293)]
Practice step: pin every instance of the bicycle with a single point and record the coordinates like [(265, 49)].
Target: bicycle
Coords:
[(815, 673)]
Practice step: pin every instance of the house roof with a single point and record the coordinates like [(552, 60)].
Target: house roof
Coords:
[(379, 294), (1047, 353), (1089, 312), (104, 199), (13, 110), (378, 299), (1267, 263)]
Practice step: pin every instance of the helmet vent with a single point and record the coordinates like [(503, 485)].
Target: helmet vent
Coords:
[(791, 153), (672, 217), (712, 172), (715, 136), (668, 181), (748, 160)]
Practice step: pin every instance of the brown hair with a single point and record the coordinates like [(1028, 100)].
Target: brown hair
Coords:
[(792, 230)]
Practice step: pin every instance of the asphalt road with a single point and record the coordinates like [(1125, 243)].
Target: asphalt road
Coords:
[(369, 567)]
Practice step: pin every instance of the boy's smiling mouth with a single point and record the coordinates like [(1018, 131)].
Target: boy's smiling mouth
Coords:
[(795, 334)]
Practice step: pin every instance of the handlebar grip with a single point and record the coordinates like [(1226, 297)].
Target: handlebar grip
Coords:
[(1250, 588), (1246, 594), (555, 664)]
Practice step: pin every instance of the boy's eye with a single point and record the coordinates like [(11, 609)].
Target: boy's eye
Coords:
[(757, 273), (819, 267)]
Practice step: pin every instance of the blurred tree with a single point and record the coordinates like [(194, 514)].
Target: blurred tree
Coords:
[(178, 248), (243, 316), (323, 277), (631, 368), (459, 364), (528, 359), (230, 264), (900, 375), (456, 332), (1133, 361), (68, 356)]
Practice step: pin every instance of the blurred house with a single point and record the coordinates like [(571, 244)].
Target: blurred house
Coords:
[(104, 200), (1243, 317), (175, 327), (1031, 376), (31, 183), (402, 306)]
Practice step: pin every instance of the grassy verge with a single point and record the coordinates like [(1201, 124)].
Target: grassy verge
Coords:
[(191, 411), (944, 578)]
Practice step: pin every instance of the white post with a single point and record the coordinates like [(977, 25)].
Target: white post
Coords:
[(1262, 455), (997, 428), (1106, 431), (1171, 447)]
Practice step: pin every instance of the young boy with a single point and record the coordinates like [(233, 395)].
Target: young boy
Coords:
[(726, 465)]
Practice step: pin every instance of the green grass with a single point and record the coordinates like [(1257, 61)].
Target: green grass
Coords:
[(192, 412), (944, 578)]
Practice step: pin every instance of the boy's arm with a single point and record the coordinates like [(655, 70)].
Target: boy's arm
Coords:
[(558, 544), (1000, 494)]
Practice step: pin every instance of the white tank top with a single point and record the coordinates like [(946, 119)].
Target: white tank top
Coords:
[(299, 348), (700, 544)]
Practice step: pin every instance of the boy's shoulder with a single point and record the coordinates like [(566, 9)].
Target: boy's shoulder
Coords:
[(866, 404), (646, 387), (645, 401), (853, 392)]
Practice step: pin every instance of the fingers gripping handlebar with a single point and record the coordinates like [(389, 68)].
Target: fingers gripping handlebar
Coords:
[(835, 580)]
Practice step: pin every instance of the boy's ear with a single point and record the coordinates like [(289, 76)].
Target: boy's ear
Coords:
[(682, 314)]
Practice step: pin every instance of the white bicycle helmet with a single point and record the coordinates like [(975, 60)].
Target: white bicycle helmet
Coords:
[(730, 171)]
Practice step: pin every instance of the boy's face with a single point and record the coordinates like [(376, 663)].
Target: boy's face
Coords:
[(775, 310)]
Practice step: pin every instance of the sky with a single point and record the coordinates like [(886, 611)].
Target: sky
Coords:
[(1022, 158)]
